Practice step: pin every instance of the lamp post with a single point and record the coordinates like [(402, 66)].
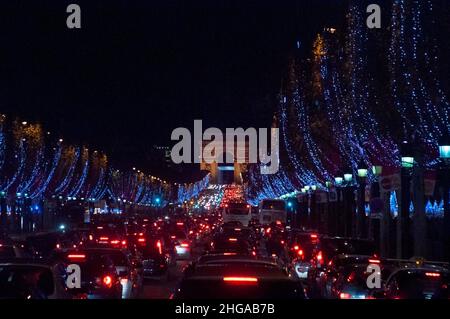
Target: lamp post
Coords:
[(444, 155), (339, 182), (349, 203), (407, 161), (3, 214), (361, 214)]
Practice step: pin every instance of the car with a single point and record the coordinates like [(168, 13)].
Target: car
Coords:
[(243, 279), (129, 273), (180, 243), (24, 278), (345, 276), (330, 247), (99, 279), (301, 248), (425, 282), (155, 258), (224, 244)]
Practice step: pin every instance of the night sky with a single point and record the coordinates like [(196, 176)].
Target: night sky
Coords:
[(138, 69)]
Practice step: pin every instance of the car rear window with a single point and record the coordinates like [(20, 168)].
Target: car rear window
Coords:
[(219, 289)]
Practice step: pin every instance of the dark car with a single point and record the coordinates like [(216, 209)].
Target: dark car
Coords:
[(156, 258), (22, 278), (418, 283), (99, 279), (239, 280)]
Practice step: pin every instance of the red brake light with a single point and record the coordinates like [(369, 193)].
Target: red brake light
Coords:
[(432, 274), (278, 222), (229, 254), (344, 295), (320, 258), (107, 281), (232, 239), (184, 245), (300, 252), (124, 242), (76, 256), (268, 230), (115, 242), (313, 236), (173, 237), (282, 242), (240, 279), (296, 247), (159, 246), (374, 261), (254, 253), (180, 224), (104, 238)]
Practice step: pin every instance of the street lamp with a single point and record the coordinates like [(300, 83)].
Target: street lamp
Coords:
[(313, 187), (377, 170), (361, 216), (338, 180), (407, 161), (362, 170), (444, 147), (407, 156), (307, 187), (348, 177), (444, 154)]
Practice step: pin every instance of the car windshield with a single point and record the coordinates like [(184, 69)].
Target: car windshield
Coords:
[(274, 205), (221, 289), (25, 282)]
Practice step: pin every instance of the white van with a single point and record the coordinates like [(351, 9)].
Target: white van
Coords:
[(272, 210)]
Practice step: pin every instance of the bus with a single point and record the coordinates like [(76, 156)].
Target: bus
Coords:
[(237, 212), (272, 210)]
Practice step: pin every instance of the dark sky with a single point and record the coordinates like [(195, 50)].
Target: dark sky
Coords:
[(138, 69)]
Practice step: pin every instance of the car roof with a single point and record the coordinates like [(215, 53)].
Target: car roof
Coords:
[(235, 259), (26, 261), (218, 271)]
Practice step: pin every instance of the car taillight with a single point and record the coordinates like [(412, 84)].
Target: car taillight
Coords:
[(254, 253), (344, 295), (173, 237), (141, 240), (180, 224), (185, 245), (159, 246), (313, 236), (268, 230), (232, 239), (124, 242), (229, 254), (104, 238), (374, 261), (115, 242), (282, 242), (320, 258), (432, 274), (76, 256), (107, 281), (300, 253), (241, 280), (296, 247)]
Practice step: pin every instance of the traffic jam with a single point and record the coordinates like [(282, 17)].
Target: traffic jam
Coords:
[(232, 251)]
